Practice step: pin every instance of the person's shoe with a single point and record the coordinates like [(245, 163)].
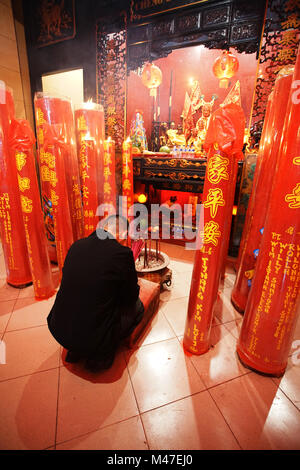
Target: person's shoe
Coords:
[(72, 357), (96, 365)]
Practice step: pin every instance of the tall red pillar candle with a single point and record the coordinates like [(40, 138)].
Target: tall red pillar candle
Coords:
[(89, 126), (72, 169), (54, 173), (57, 112), (261, 196), (109, 177), (21, 141), (11, 223), (127, 175), (263, 142), (224, 136), (271, 311), (87, 164)]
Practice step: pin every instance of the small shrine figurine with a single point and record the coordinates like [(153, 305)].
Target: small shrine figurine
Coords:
[(203, 122), (138, 134), (195, 141)]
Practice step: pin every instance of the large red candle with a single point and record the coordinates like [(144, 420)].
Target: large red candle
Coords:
[(57, 113), (263, 141), (271, 311), (88, 165), (109, 177), (11, 223), (90, 135), (224, 139), (262, 192), (72, 169), (21, 141)]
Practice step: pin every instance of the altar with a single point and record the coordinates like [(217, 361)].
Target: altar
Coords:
[(162, 171)]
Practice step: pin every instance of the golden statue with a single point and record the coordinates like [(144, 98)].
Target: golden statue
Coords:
[(174, 138)]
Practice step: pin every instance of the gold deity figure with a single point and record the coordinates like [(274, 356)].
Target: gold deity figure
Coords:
[(174, 137), (203, 121)]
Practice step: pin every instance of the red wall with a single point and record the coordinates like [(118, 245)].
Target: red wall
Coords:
[(192, 62)]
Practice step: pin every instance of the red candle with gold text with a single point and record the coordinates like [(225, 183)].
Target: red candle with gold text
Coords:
[(72, 168), (88, 165), (226, 128), (57, 112), (261, 196), (89, 118), (21, 151), (54, 173), (271, 312), (255, 179), (109, 177), (127, 175), (11, 223)]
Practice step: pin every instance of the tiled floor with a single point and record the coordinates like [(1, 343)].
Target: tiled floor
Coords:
[(153, 397)]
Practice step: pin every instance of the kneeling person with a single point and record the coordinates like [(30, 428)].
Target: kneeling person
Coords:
[(98, 302)]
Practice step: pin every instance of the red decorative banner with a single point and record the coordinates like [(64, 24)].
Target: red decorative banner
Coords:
[(11, 224), (21, 141), (224, 141), (271, 312), (259, 205)]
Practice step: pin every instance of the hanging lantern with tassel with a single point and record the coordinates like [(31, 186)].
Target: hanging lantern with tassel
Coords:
[(225, 67), (152, 78)]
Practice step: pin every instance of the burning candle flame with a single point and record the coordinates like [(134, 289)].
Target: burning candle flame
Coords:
[(89, 104)]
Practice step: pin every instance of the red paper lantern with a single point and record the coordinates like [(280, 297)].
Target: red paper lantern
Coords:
[(225, 67), (152, 78)]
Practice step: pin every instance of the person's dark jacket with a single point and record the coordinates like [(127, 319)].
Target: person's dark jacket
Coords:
[(99, 280)]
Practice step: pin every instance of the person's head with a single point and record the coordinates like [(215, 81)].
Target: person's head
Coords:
[(206, 110), (115, 226)]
